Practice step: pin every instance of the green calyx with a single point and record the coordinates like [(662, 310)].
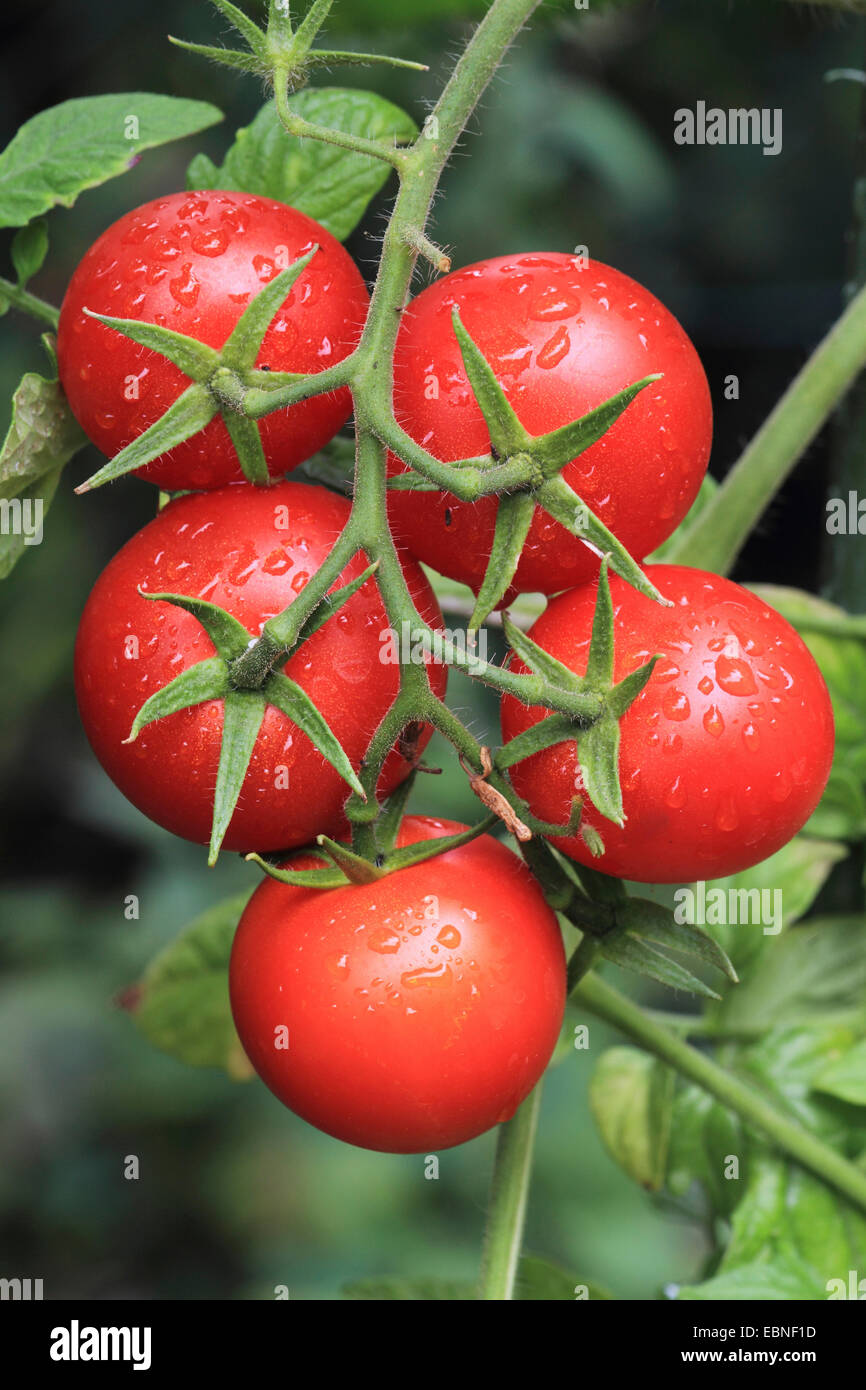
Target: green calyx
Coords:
[(597, 739), (219, 379), (345, 867), (536, 462), (280, 52), (244, 707)]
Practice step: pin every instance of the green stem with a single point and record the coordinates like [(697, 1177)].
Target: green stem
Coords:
[(30, 303), (614, 1008), (716, 538), (581, 961), (308, 130), (509, 1190)]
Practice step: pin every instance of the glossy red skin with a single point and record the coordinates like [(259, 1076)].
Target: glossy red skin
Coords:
[(192, 262), (223, 546), (561, 339), (724, 754), (421, 1009)]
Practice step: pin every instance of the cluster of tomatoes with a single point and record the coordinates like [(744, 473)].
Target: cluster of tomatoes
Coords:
[(417, 1011)]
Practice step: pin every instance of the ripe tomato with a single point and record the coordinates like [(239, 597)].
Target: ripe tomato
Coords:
[(724, 754), (192, 262), (421, 1010), (562, 336), (250, 550)]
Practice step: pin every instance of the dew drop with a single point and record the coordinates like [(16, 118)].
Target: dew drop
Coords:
[(676, 705), (713, 721), (384, 941), (675, 796), (726, 815), (185, 288), (751, 738), (734, 676), (339, 966), (449, 936), (427, 977)]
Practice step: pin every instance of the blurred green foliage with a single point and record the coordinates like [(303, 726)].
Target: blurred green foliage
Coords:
[(573, 145)]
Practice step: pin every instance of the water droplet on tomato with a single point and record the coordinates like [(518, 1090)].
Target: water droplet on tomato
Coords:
[(735, 676), (676, 795)]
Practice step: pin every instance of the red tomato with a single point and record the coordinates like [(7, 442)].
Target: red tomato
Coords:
[(192, 262), (724, 754), (562, 336), (250, 550), (421, 1010)]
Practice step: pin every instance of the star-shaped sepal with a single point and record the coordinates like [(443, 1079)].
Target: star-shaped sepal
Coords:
[(244, 709), (598, 738), (544, 456), (218, 379)]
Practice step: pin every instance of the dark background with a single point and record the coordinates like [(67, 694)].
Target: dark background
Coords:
[(573, 145)]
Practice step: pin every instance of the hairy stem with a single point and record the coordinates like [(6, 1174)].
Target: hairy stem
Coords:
[(29, 303), (509, 1190), (714, 541), (614, 1008)]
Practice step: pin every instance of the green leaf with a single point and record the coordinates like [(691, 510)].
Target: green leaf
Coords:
[(782, 1280), (330, 184), (631, 1097), (812, 973), (181, 1004), (42, 437), (81, 143), (745, 911), (845, 1077), (542, 1280), (631, 953), (654, 922), (29, 249)]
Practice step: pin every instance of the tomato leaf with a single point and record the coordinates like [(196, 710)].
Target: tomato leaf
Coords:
[(631, 1097), (845, 1077), (29, 249), (745, 911), (84, 142), (812, 973), (42, 437), (330, 184), (780, 1280), (181, 1004), (539, 1279)]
